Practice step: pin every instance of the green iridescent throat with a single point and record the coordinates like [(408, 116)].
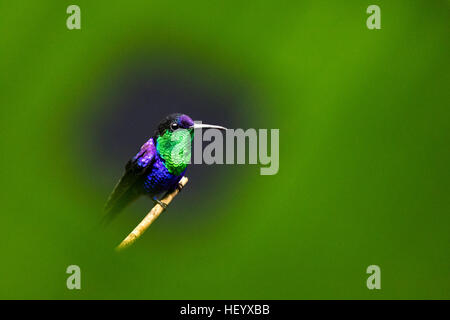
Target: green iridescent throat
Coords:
[(175, 149)]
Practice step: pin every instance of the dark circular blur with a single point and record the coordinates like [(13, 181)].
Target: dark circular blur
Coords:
[(143, 93)]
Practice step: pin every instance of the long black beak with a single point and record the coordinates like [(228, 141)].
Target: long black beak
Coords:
[(207, 126)]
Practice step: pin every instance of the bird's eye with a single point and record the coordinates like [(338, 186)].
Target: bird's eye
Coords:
[(174, 126)]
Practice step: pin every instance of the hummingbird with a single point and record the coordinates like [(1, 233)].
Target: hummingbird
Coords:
[(158, 166)]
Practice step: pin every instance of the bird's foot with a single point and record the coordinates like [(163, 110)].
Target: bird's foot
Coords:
[(162, 204), (179, 186)]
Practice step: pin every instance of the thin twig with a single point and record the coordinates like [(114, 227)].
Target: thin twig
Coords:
[(150, 217)]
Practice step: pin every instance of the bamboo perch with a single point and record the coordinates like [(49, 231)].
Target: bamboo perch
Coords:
[(150, 217)]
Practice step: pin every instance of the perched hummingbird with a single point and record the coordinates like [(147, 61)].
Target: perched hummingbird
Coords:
[(158, 166)]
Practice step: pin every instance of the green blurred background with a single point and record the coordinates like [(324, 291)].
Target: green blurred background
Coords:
[(364, 151)]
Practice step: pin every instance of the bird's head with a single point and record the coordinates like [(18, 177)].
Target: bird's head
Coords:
[(176, 121), (173, 139)]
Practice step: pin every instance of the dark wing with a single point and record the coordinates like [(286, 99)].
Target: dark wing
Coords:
[(125, 191)]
